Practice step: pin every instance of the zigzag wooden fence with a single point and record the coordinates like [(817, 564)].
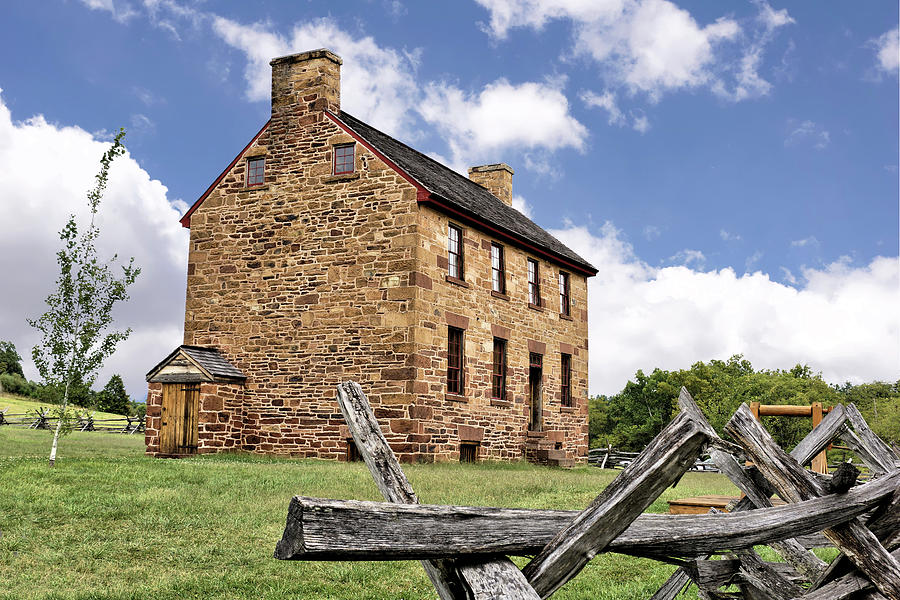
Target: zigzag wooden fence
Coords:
[(464, 549), (42, 419)]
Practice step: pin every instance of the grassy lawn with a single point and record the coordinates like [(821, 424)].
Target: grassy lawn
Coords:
[(18, 405), (109, 523)]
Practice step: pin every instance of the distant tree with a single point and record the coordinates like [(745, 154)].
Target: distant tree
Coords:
[(137, 409), (113, 398), (599, 422), (74, 338), (879, 403), (10, 361), (648, 402)]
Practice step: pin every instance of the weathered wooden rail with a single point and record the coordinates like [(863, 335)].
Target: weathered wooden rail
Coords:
[(43, 419), (464, 549)]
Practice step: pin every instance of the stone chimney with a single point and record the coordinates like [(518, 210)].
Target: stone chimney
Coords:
[(496, 178), (304, 85)]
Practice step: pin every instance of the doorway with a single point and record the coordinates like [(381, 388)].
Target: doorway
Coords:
[(535, 378), (179, 412)]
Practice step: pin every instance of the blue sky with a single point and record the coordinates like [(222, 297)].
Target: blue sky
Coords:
[(731, 168)]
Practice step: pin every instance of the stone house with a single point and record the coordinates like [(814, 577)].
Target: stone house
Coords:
[(329, 251)]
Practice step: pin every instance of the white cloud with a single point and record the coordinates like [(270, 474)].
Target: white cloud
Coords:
[(809, 241), (136, 219), (653, 46), (120, 11), (887, 49), (772, 18), (641, 124), (377, 84), (651, 232), (142, 124), (729, 237), (606, 101), (752, 260), (502, 116), (842, 321), (688, 256), (520, 204), (508, 14), (808, 133)]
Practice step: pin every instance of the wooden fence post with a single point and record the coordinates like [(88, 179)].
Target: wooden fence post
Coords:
[(795, 484), (662, 463), (479, 580)]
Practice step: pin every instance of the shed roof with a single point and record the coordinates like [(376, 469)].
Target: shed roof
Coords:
[(209, 365)]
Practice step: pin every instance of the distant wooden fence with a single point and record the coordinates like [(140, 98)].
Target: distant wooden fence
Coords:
[(41, 418), (611, 458), (464, 549)]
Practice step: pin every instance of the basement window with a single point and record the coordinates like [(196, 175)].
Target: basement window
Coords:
[(256, 171), (344, 159), (468, 452)]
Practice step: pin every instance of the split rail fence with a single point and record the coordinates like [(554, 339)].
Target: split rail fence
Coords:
[(464, 549), (43, 419)]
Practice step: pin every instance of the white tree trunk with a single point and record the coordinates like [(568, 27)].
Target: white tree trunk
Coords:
[(62, 412)]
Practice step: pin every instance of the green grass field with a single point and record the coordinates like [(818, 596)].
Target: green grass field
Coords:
[(18, 405), (109, 523)]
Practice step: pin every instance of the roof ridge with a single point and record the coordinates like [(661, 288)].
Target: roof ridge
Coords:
[(425, 156), (460, 193)]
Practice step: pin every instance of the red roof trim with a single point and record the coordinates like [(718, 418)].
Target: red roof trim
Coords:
[(423, 196), (420, 190), (431, 199), (186, 219)]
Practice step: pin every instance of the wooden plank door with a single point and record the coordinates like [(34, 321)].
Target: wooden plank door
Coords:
[(180, 409)]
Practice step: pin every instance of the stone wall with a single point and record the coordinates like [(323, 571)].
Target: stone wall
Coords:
[(152, 420), (500, 426), (313, 278)]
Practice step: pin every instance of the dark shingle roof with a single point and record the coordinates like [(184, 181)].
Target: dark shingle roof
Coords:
[(461, 192), (211, 360)]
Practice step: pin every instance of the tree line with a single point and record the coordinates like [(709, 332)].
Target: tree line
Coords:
[(630, 419), (112, 398)]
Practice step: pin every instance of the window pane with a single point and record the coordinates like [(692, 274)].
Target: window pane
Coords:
[(534, 288), (498, 276), (565, 380), (454, 251), (498, 383), (454, 361), (255, 171), (564, 293), (343, 159)]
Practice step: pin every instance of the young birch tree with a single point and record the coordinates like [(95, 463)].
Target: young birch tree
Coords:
[(74, 337)]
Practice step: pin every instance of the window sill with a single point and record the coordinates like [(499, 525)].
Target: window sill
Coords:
[(568, 409), (536, 307), (501, 403), (566, 317), (456, 281), (341, 177), (500, 295), (455, 398), (256, 188)]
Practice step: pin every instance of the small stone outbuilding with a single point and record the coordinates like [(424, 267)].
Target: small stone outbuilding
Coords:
[(328, 250)]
